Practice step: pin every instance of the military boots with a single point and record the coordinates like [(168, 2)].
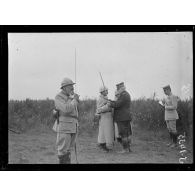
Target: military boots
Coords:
[(65, 159)]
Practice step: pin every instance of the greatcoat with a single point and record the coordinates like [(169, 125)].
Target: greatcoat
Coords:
[(106, 126)]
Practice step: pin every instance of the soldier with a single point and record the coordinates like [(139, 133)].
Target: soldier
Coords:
[(106, 127), (66, 125), (117, 136), (171, 114), (122, 116)]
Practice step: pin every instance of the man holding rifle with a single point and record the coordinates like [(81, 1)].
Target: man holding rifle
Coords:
[(66, 125)]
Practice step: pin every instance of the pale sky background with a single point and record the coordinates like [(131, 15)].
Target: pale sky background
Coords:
[(144, 61)]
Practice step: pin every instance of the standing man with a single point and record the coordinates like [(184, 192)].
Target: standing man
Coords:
[(117, 136), (66, 124), (171, 114), (122, 116), (106, 127)]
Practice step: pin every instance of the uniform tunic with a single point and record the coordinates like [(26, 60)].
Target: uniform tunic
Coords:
[(68, 122), (106, 127), (116, 133), (171, 114), (122, 114)]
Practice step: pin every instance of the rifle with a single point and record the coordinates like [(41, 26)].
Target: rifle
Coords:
[(102, 79)]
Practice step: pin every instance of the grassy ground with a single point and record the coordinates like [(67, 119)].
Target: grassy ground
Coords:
[(38, 147)]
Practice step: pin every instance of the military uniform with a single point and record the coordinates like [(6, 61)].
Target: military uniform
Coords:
[(116, 133), (122, 116), (171, 114), (106, 127), (66, 126)]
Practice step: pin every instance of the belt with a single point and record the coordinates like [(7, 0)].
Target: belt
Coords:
[(65, 115), (106, 112)]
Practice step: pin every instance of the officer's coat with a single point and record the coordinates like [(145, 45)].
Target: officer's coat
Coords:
[(68, 119), (106, 127), (122, 107)]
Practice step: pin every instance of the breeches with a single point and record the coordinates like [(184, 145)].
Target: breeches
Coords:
[(65, 142), (171, 126), (125, 132), (124, 129)]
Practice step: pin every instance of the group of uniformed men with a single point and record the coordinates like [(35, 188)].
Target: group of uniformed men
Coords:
[(114, 119)]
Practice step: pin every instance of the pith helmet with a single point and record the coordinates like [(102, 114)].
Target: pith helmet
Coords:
[(166, 87), (103, 88), (66, 82)]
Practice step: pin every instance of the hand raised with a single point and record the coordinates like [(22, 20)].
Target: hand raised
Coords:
[(76, 97)]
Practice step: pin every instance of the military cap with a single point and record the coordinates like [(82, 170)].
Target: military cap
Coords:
[(166, 87), (120, 84)]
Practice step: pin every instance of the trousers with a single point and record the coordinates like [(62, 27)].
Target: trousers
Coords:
[(65, 142), (171, 126)]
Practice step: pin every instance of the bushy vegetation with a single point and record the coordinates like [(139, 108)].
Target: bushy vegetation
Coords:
[(29, 114), (37, 114), (147, 114)]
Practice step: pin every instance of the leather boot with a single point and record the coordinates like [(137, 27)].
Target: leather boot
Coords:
[(119, 140), (61, 159), (65, 159), (126, 146)]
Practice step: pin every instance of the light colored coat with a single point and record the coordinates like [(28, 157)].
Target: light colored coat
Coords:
[(171, 107), (68, 119), (116, 133), (106, 126)]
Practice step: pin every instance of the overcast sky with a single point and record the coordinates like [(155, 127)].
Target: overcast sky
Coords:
[(144, 61)]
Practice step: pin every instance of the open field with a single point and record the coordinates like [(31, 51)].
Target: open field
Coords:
[(38, 147), (36, 142)]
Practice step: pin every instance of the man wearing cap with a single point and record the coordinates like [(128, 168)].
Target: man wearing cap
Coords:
[(122, 116), (106, 127), (171, 114), (66, 126)]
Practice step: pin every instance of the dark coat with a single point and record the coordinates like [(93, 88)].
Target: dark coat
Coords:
[(122, 107)]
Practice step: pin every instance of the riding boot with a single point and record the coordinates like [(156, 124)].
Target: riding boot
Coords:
[(175, 138), (61, 159), (126, 145), (171, 136), (119, 139), (102, 145), (67, 158)]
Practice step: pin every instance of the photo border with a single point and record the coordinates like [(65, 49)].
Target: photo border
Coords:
[(5, 29)]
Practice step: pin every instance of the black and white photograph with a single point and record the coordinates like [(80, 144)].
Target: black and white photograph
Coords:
[(100, 97)]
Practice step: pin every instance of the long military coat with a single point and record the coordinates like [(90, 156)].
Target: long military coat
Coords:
[(122, 107), (106, 126)]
